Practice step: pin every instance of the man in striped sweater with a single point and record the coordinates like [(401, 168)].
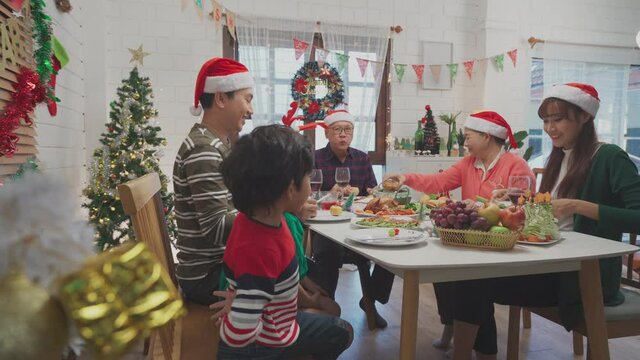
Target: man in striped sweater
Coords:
[(268, 173), (204, 211)]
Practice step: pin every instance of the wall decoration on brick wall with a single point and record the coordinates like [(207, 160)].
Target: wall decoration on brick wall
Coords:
[(63, 6), (317, 89)]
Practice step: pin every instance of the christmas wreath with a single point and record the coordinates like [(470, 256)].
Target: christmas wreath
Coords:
[(303, 89)]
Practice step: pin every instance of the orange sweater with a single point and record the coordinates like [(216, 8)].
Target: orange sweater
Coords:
[(465, 174)]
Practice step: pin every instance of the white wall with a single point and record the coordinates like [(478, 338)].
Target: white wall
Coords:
[(613, 22), (61, 138)]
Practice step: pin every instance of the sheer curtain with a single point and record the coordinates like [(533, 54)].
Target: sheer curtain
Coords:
[(361, 93), (607, 69), (266, 48)]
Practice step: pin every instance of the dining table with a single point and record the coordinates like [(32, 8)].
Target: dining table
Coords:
[(431, 261)]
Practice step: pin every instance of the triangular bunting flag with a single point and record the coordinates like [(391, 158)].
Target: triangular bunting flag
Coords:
[(342, 61), (183, 4), (231, 23), (513, 55), (362, 64), (217, 14), (453, 71), (435, 71), (400, 68), (300, 47), (468, 67), (498, 61), (321, 56), (376, 68), (419, 69)]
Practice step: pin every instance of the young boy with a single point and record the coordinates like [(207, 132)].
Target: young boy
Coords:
[(267, 173)]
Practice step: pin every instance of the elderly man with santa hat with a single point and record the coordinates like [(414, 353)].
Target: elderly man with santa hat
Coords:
[(329, 256), (204, 211)]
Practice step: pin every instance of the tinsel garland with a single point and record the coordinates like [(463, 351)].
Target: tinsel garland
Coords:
[(42, 37), (29, 91)]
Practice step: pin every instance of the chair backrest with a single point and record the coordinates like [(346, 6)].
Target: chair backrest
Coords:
[(142, 202), (628, 278)]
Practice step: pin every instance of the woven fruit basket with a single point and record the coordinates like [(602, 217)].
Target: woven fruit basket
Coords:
[(478, 239)]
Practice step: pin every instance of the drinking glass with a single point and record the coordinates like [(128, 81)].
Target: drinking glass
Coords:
[(343, 177), (518, 186), (316, 182)]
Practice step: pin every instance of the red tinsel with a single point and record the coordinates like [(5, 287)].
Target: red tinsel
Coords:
[(28, 93)]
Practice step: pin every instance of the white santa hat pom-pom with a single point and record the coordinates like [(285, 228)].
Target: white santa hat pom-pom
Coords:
[(195, 111)]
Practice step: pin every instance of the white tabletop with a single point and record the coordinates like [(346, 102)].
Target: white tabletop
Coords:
[(438, 262)]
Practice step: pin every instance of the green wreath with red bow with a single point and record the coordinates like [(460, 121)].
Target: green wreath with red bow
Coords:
[(303, 89)]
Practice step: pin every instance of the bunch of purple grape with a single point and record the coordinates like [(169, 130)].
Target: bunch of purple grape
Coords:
[(457, 215)]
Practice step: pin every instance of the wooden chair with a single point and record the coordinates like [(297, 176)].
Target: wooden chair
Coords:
[(621, 321), (194, 336)]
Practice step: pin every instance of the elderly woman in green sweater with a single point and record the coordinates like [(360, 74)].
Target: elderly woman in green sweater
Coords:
[(596, 188)]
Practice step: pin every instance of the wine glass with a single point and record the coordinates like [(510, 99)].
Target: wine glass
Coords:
[(316, 182), (518, 186), (343, 177)]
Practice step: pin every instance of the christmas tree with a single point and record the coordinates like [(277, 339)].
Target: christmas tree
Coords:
[(130, 149), (431, 137)]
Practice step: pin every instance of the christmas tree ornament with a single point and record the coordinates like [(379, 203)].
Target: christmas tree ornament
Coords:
[(118, 297), (137, 55), (33, 325)]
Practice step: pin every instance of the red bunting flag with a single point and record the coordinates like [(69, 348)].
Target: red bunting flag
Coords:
[(300, 47), (513, 55), (419, 69), (468, 67), (362, 64)]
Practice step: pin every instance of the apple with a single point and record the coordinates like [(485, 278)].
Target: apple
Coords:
[(512, 218), (491, 212), (499, 230)]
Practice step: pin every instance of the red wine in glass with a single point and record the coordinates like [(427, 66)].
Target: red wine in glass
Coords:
[(514, 195)]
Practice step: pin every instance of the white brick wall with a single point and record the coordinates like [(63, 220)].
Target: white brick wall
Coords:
[(179, 41)]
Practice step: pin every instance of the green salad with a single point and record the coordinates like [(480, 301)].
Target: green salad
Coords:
[(388, 223)]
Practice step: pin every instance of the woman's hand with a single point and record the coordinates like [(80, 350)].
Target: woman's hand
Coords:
[(223, 306), (563, 208), (395, 177), (499, 195)]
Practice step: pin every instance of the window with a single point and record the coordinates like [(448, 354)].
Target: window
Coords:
[(617, 121), (267, 48)]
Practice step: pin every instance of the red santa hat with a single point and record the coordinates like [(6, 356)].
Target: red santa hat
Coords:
[(333, 116), (297, 122), (220, 75), (492, 123), (583, 96)]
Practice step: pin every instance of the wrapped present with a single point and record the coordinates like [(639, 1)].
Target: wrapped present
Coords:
[(118, 297)]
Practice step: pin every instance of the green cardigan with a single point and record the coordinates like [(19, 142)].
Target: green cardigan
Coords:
[(613, 183)]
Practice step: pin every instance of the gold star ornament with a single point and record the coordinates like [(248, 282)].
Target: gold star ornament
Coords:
[(138, 55)]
